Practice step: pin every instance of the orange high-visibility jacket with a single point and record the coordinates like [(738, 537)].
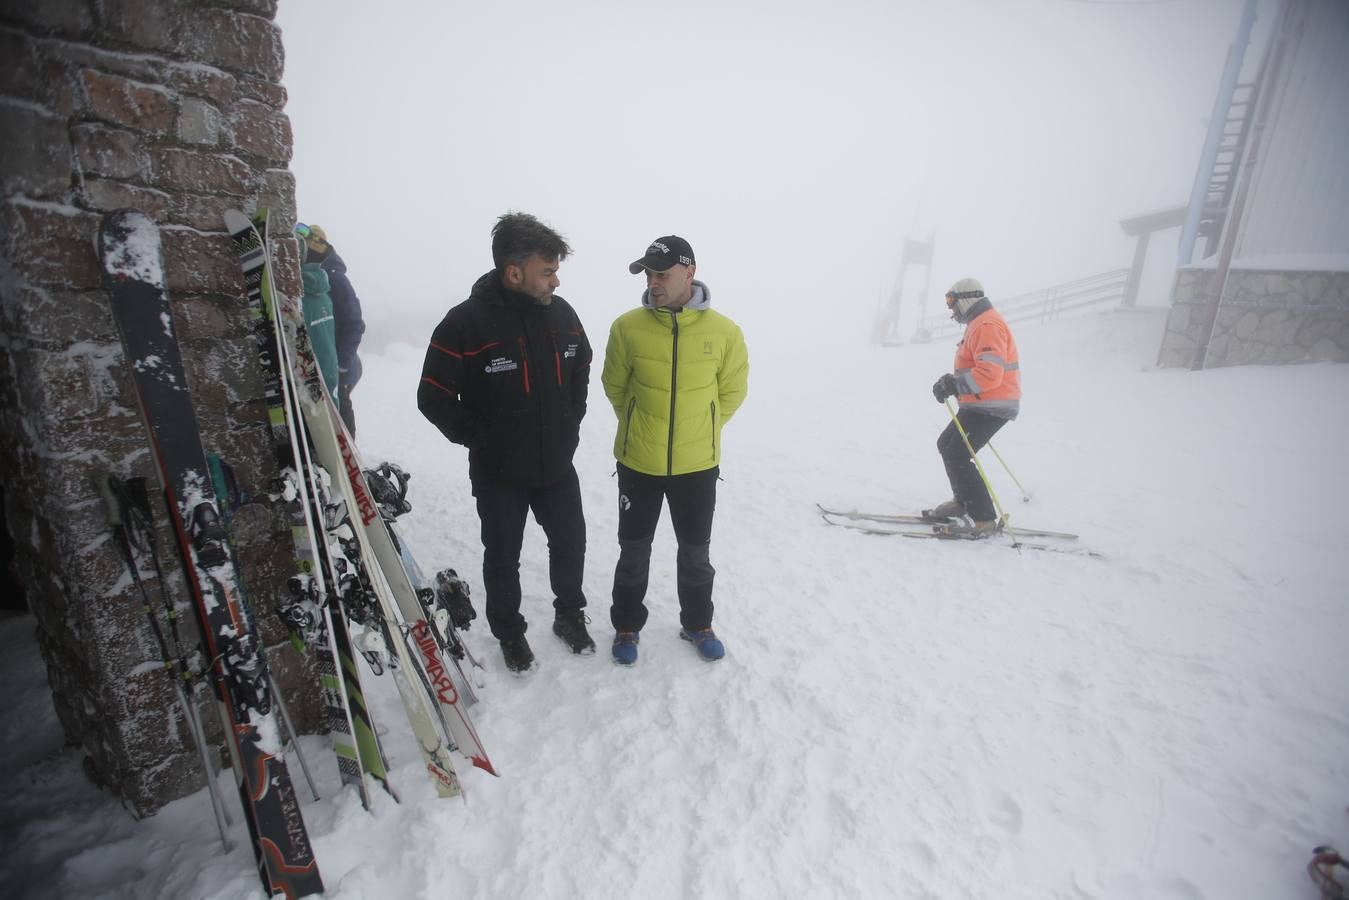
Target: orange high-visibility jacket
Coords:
[(988, 367)]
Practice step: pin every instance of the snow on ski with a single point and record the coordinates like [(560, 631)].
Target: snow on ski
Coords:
[(388, 485), (447, 680), (333, 453), (130, 253), (355, 740), (441, 601), (889, 526), (910, 519), (439, 668)]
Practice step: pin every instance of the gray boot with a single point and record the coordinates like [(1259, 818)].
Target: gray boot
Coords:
[(951, 509), (967, 530)]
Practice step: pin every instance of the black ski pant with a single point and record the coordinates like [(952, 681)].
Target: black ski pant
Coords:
[(346, 410), (502, 509), (692, 499), (966, 484)]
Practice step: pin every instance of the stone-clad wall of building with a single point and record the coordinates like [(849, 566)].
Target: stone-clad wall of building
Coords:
[(173, 108), (1266, 317)]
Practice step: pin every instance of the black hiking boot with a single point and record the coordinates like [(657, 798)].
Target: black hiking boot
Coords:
[(570, 626), (519, 658)]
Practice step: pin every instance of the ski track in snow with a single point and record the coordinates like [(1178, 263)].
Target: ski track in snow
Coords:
[(894, 718)]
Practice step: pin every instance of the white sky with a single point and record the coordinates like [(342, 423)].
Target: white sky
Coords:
[(794, 144)]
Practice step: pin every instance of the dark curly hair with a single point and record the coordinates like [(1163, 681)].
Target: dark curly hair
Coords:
[(517, 236)]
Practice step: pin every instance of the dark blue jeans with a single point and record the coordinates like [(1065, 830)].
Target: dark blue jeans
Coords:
[(966, 485), (692, 499), (502, 509)]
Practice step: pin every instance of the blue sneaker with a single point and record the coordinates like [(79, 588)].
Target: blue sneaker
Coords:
[(625, 647), (709, 647)]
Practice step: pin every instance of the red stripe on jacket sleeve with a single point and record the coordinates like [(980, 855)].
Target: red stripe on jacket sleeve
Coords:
[(458, 355), (436, 384)]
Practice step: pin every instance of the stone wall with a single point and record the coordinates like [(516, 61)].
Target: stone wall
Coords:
[(1266, 317), (173, 108)]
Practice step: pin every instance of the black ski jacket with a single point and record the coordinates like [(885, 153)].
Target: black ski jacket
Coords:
[(349, 323), (508, 378)]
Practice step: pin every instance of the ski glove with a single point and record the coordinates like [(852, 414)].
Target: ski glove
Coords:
[(944, 387)]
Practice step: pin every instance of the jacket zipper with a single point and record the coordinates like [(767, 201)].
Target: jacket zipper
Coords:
[(524, 363), (712, 407), (524, 371), (627, 424), (674, 390)]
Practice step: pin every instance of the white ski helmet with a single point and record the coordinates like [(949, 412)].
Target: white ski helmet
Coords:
[(962, 296)]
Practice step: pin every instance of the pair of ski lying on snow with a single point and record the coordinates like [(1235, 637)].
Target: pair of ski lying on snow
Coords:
[(358, 587), (942, 528)]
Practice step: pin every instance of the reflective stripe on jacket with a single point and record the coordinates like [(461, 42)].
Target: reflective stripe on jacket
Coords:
[(674, 379), (988, 367)]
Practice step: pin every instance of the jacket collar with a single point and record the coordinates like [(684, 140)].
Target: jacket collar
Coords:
[(489, 289), (701, 299), (975, 311)]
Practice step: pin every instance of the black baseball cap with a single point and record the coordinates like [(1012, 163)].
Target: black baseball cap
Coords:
[(663, 253)]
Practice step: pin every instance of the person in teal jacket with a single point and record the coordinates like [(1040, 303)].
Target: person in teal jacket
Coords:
[(675, 371), (319, 324)]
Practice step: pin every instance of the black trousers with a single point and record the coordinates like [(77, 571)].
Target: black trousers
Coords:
[(692, 499), (502, 509), (346, 410), (966, 485)]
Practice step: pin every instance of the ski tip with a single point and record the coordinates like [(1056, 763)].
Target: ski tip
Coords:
[(236, 221), (129, 247)]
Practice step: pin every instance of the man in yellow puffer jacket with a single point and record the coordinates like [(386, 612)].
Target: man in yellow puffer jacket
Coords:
[(675, 372)]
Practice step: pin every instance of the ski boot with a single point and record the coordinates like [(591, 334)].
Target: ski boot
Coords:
[(966, 529), (951, 509)]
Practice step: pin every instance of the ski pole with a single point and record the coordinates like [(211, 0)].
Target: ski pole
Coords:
[(974, 457), (1025, 494), (130, 531), (294, 736), (137, 503)]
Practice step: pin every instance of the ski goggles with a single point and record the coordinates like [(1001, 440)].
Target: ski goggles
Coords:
[(303, 230)]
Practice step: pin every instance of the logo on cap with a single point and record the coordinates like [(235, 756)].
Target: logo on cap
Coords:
[(664, 252)]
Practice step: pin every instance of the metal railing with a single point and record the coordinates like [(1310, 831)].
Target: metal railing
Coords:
[(1107, 288)]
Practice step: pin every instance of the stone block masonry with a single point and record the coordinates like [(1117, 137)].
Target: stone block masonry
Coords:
[(176, 108), (1267, 317)]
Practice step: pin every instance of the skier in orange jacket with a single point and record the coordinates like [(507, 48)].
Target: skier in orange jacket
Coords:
[(987, 386)]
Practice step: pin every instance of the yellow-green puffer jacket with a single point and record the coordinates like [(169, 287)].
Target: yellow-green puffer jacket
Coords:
[(661, 434)]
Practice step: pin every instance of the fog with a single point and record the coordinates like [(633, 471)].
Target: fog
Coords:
[(794, 144)]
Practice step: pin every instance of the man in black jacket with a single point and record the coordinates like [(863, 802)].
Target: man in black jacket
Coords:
[(506, 375)]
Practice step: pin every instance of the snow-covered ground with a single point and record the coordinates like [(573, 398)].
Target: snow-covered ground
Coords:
[(894, 718)]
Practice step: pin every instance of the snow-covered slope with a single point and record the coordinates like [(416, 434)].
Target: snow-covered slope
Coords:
[(894, 718)]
